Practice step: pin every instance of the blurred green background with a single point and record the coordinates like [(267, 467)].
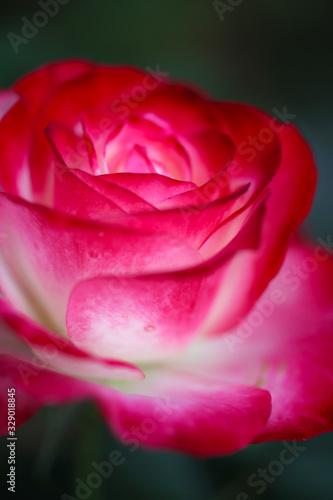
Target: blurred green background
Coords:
[(271, 54)]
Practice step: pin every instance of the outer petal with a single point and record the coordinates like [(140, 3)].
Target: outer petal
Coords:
[(7, 99), (195, 417), (56, 92), (243, 125), (194, 224), (210, 152), (45, 253), (94, 89), (179, 109), (151, 317), (303, 393), (292, 192), (14, 147), (232, 171), (25, 404), (43, 387), (33, 90), (284, 345), (37, 87), (29, 342)]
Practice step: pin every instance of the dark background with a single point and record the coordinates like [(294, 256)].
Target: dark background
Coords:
[(271, 54)]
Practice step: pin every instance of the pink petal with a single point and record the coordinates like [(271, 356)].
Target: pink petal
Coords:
[(164, 152), (303, 392), (46, 253), (153, 188), (33, 89), (284, 345), (210, 152), (76, 198), (7, 100), (128, 201), (138, 162), (177, 107), (30, 342), (25, 404), (36, 87), (193, 417), (151, 317), (194, 224), (292, 190), (14, 166), (244, 124), (73, 150), (68, 100)]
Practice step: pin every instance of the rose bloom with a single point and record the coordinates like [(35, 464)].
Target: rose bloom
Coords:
[(148, 262)]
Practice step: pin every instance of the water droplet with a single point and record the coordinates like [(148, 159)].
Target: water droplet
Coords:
[(150, 328), (93, 254)]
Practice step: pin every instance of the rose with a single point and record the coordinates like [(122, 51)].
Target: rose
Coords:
[(140, 224)]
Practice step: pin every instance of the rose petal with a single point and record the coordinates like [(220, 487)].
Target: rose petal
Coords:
[(153, 188), (36, 87), (190, 417), (123, 198), (284, 345), (154, 316), (25, 404), (178, 108), (7, 100), (73, 150), (74, 197), (210, 152), (45, 253), (14, 166), (92, 89), (30, 342), (292, 192), (194, 224)]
